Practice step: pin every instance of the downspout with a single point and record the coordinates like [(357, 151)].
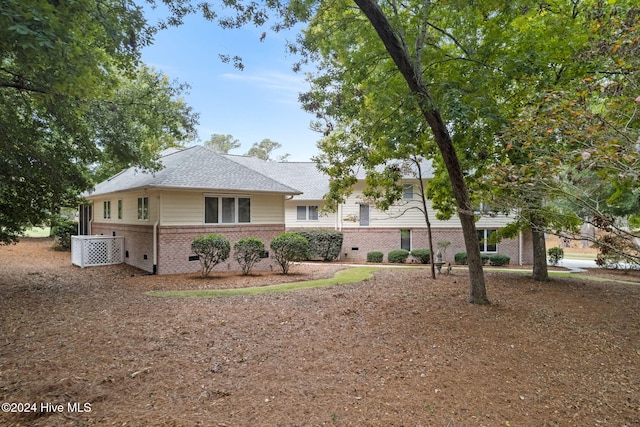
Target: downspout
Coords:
[(155, 240), (520, 247)]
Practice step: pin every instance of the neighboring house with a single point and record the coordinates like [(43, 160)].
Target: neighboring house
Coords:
[(200, 192), (366, 229)]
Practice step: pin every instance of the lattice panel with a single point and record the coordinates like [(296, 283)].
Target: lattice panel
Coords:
[(87, 251)]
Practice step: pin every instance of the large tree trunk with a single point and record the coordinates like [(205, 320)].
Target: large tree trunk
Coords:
[(411, 71), (540, 270)]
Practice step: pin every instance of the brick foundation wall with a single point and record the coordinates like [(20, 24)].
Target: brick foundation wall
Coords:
[(174, 246), (138, 242), (359, 241)]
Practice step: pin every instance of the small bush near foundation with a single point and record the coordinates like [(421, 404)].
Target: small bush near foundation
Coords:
[(423, 256), (248, 252), (556, 254), (398, 256), (486, 258), (375, 256), (289, 248), (211, 249), (460, 258), (499, 259)]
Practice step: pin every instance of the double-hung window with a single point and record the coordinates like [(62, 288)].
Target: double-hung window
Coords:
[(307, 213), (227, 210), (106, 209), (407, 192), (364, 215), (405, 239), (483, 241), (143, 208)]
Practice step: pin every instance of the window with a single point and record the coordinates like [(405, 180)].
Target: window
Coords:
[(364, 215), (307, 213), (227, 210), (483, 240), (405, 239), (407, 192), (106, 209), (120, 209), (143, 208)]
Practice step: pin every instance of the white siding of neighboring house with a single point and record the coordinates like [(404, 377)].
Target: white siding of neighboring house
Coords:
[(398, 216), (325, 220)]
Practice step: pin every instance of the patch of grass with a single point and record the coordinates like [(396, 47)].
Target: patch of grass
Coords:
[(342, 277), (37, 232)]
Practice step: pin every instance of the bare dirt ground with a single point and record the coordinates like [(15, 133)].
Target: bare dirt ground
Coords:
[(396, 350)]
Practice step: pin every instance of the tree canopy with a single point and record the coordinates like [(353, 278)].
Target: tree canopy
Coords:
[(73, 98)]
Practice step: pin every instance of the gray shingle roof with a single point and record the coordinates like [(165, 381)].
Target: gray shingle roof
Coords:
[(197, 167), (303, 176)]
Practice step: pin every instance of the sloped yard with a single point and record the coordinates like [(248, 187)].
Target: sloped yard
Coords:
[(395, 350)]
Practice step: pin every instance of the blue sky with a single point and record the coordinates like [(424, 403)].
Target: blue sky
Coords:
[(257, 103)]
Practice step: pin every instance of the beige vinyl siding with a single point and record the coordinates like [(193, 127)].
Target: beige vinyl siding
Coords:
[(187, 208), (182, 208), (267, 209), (129, 208)]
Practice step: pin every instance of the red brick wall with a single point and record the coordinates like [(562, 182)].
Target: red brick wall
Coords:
[(174, 245), (368, 239)]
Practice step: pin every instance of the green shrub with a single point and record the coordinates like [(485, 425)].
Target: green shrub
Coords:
[(486, 258), (62, 231), (398, 256), (423, 256), (499, 259), (248, 252), (556, 254), (460, 258), (375, 256), (211, 249), (289, 248), (323, 244)]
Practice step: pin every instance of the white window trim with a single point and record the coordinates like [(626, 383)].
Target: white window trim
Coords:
[(405, 189), (144, 215), (484, 242), (236, 207), (106, 209), (307, 213)]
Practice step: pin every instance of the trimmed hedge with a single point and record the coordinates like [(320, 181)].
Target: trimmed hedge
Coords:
[(499, 259), (486, 258), (323, 244), (375, 256), (289, 248), (248, 252), (211, 249), (423, 256), (398, 256), (460, 258)]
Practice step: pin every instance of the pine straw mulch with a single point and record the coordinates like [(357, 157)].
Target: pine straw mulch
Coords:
[(396, 350)]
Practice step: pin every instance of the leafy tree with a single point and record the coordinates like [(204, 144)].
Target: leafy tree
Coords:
[(570, 154), (211, 249), (264, 149), (61, 63), (289, 248), (248, 252), (222, 143)]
